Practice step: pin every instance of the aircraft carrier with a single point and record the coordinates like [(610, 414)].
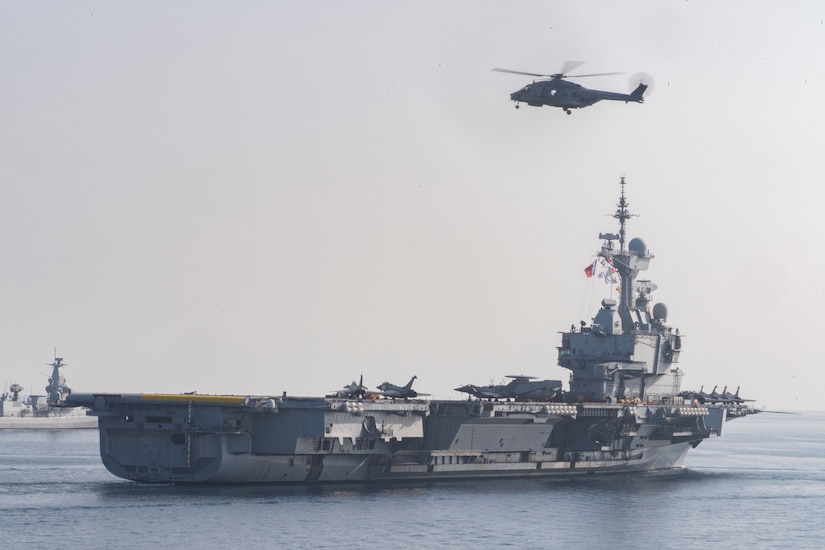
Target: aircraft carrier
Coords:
[(624, 411)]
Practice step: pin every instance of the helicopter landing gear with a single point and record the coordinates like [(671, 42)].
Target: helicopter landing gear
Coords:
[(516, 105), (568, 111)]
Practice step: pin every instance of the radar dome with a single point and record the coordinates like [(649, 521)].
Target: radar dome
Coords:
[(638, 246), (660, 312)]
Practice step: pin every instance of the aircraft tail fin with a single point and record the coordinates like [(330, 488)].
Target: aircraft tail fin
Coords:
[(638, 93)]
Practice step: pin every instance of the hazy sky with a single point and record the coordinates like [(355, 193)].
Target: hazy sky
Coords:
[(257, 197)]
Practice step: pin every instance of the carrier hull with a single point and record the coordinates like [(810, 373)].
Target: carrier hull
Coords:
[(231, 439)]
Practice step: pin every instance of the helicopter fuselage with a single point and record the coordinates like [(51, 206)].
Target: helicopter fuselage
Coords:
[(568, 95)]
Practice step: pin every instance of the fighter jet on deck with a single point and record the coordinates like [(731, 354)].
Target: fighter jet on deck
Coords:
[(395, 392)]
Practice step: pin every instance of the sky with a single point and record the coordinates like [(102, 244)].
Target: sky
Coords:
[(259, 197)]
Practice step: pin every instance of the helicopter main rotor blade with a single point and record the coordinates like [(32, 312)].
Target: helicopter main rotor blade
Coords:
[(556, 75), (522, 72), (570, 66), (585, 75)]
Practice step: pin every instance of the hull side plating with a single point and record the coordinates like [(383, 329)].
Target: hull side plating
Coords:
[(294, 440)]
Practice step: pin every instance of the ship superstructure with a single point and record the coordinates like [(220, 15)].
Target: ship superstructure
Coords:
[(628, 352), (623, 412)]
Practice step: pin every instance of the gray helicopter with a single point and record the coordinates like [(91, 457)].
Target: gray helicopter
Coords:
[(554, 90)]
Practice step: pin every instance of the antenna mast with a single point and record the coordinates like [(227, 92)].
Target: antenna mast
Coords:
[(622, 214)]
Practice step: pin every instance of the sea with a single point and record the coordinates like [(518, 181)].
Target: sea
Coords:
[(760, 485)]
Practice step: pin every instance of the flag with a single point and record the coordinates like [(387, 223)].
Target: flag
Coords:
[(608, 274), (589, 270)]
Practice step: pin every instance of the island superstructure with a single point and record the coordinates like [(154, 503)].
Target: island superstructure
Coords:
[(629, 351), (624, 411)]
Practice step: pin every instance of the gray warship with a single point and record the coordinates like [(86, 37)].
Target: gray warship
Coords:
[(35, 412), (624, 411)]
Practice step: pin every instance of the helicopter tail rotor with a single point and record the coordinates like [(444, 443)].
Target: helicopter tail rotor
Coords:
[(642, 78)]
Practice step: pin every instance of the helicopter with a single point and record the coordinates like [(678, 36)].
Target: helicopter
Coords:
[(554, 90)]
